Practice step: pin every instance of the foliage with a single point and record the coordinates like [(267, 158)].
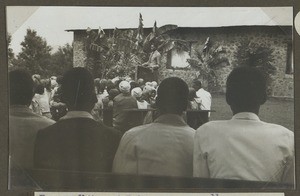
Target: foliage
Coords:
[(256, 55), (11, 55), (207, 61), (120, 54), (35, 54), (61, 60), (111, 56)]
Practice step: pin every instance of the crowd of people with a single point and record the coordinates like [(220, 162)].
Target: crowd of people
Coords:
[(57, 124)]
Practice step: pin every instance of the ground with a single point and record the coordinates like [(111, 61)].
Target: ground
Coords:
[(275, 110)]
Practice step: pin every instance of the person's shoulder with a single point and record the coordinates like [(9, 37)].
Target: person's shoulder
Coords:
[(208, 93), (212, 125), (107, 130), (187, 129), (278, 128), (118, 97), (41, 119), (137, 131)]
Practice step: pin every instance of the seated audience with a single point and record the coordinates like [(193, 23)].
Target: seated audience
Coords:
[(77, 142), (123, 120), (164, 147), (244, 148), (23, 123)]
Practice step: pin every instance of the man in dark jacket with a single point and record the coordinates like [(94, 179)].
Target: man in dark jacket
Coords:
[(124, 120), (77, 142)]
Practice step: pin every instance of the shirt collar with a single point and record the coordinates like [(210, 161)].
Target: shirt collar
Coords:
[(172, 119), (77, 114), (246, 116)]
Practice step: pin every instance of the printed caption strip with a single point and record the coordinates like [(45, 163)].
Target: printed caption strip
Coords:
[(150, 194)]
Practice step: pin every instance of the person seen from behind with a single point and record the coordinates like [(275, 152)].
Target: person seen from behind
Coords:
[(164, 147), (244, 147)]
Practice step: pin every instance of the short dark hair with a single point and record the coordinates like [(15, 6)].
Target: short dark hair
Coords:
[(172, 95), (39, 89), (192, 94), (59, 79), (197, 84), (20, 87), (246, 88), (78, 90)]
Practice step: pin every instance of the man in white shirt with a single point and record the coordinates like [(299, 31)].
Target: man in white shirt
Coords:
[(164, 147), (244, 148), (203, 97)]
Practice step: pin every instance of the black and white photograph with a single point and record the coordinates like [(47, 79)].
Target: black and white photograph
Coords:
[(150, 98)]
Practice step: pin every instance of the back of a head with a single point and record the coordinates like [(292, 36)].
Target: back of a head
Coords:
[(136, 92), (246, 88), (172, 96), (59, 80), (192, 94), (21, 88), (78, 90), (197, 84), (124, 87), (113, 93)]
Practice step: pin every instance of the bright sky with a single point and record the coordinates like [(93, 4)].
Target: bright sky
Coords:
[(51, 22)]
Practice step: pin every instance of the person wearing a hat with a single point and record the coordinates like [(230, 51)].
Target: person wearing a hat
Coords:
[(123, 120), (137, 93)]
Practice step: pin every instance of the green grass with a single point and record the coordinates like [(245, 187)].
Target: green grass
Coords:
[(278, 111)]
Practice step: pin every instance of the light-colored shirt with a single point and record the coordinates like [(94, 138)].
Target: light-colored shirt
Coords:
[(204, 99), (142, 104), (41, 103), (164, 148), (244, 148), (23, 127)]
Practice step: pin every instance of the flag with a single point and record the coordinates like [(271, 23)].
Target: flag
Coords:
[(154, 29), (101, 33), (140, 31)]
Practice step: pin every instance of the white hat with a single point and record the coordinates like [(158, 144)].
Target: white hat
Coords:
[(124, 87), (136, 92)]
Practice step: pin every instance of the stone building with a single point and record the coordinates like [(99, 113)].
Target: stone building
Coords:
[(225, 40)]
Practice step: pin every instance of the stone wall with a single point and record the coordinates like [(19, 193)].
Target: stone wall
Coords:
[(229, 38), (79, 52)]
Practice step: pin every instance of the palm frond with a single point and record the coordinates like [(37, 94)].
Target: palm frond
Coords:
[(166, 28)]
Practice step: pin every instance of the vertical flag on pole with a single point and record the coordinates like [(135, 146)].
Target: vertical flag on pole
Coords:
[(154, 30), (140, 33)]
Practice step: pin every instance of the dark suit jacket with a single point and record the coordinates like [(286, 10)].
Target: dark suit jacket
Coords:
[(77, 144)]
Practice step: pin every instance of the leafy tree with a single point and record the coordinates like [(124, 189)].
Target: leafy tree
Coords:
[(119, 54), (208, 59), (35, 54), (114, 55), (11, 55), (256, 55), (61, 60), (259, 55)]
